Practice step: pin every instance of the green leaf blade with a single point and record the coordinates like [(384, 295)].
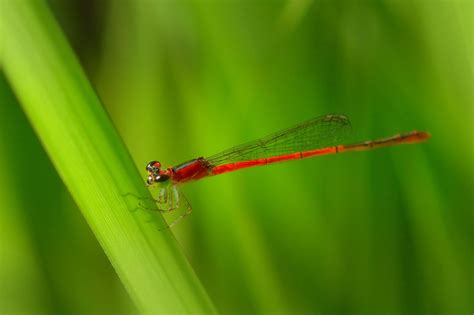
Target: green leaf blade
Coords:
[(93, 162)]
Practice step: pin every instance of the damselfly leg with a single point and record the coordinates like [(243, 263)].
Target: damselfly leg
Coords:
[(169, 198), (180, 202)]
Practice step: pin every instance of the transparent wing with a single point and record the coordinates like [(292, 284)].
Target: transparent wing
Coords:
[(313, 134)]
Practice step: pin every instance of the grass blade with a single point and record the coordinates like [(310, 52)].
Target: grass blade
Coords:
[(93, 162)]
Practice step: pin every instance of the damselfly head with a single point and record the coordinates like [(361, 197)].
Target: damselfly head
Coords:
[(153, 169), (155, 174)]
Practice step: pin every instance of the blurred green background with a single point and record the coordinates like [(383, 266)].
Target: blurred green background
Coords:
[(385, 232)]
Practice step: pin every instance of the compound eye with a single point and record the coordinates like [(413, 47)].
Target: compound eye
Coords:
[(153, 167), (149, 181)]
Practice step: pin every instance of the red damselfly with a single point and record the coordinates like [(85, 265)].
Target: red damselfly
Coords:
[(317, 136)]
